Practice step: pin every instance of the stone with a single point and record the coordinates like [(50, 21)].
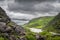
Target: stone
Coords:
[(9, 31), (39, 37)]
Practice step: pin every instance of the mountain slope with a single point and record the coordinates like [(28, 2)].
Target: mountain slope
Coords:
[(54, 25), (39, 22), (3, 16), (8, 29)]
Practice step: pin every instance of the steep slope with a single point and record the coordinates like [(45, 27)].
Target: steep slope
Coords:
[(8, 29), (39, 22), (3, 16), (54, 25)]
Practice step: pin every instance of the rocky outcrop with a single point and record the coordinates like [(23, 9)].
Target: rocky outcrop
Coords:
[(3, 16), (8, 29)]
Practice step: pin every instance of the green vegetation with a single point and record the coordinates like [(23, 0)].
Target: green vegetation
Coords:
[(29, 35), (49, 24), (11, 24), (54, 25), (1, 38), (36, 23), (39, 22), (49, 36)]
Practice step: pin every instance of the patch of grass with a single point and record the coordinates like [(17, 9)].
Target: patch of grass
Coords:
[(49, 36), (1, 38)]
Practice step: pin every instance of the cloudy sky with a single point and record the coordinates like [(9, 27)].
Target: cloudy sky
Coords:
[(21, 11)]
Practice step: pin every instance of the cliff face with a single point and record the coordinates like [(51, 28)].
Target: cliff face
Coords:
[(8, 29)]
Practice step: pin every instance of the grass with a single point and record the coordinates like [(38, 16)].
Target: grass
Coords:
[(39, 22), (1, 38)]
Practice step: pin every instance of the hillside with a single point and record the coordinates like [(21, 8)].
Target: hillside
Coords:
[(44, 23), (54, 25), (39, 22), (8, 29)]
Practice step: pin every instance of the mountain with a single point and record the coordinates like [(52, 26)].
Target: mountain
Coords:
[(54, 25), (3, 16), (39, 22), (8, 29)]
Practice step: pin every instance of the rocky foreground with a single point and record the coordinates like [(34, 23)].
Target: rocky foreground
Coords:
[(8, 29)]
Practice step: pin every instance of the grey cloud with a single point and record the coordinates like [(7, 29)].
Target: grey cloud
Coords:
[(1, 0), (45, 7), (30, 7), (20, 19), (58, 9), (33, 0), (21, 6)]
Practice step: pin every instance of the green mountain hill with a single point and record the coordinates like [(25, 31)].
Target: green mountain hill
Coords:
[(49, 23), (39, 22), (54, 25)]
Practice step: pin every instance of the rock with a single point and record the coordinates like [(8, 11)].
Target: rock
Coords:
[(2, 26), (22, 38), (20, 30), (12, 31), (38, 37), (2, 23), (12, 37), (6, 35), (8, 29), (3, 16)]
